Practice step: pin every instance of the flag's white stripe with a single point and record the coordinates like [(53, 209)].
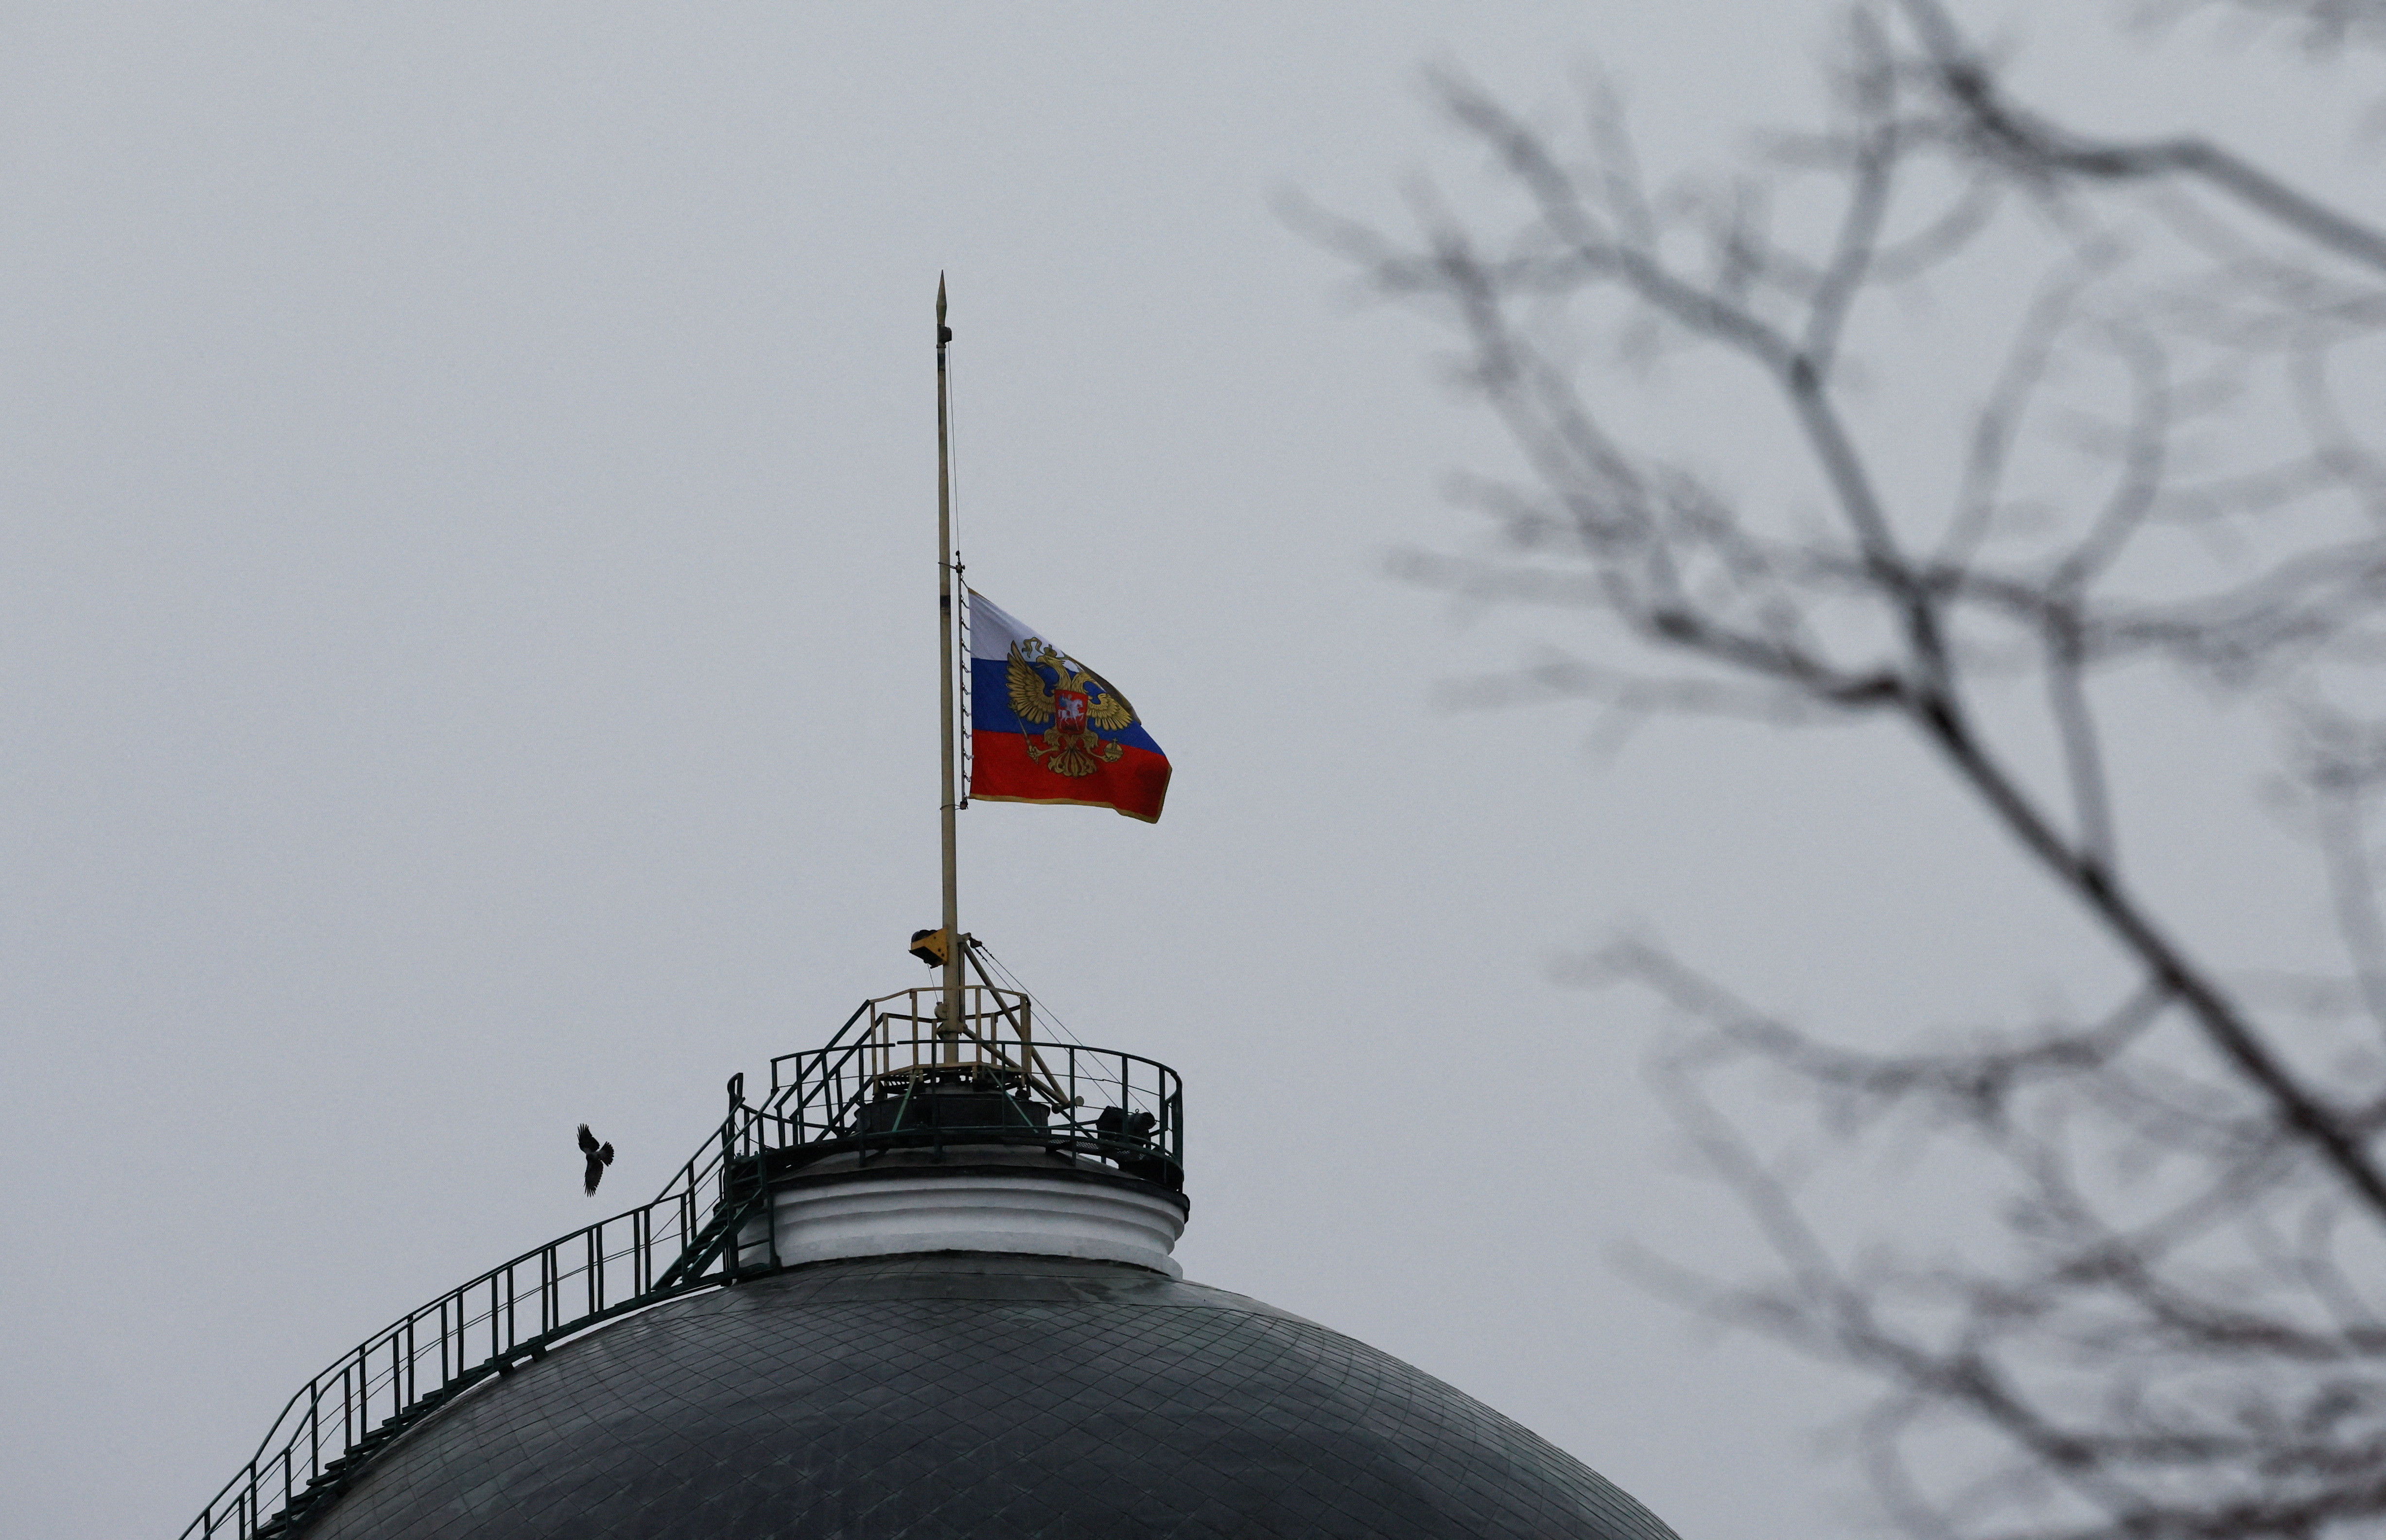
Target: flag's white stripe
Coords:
[(993, 629)]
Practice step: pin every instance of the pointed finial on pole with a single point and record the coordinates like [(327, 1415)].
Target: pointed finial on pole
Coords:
[(944, 333)]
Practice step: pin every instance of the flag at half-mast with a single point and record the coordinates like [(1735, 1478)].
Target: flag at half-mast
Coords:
[(1045, 728)]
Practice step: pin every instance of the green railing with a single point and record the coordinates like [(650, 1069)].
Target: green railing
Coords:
[(895, 1077)]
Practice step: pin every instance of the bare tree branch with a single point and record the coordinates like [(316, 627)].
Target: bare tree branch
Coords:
[(2044, 147), (2165, 1320)]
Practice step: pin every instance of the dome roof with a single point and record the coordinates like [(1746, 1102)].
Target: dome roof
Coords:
[(967, 1395)]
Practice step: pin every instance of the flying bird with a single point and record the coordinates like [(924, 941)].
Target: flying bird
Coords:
[(599, 1156)]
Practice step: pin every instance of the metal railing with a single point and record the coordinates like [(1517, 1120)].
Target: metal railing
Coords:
[(899, 1075), (685, 1239), (896, 1076)]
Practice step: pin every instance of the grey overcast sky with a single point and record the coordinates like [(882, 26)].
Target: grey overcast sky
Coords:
[(467, 478)]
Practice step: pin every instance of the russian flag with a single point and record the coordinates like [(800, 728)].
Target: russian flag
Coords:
[(1045, 728)]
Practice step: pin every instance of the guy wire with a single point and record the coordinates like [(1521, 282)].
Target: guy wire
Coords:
[(1012, 981)]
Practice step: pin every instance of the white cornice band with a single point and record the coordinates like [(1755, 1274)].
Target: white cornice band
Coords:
[(1025, 1212)]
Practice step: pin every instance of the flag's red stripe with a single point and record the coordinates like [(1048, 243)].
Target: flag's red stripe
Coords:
[(1136, 783)]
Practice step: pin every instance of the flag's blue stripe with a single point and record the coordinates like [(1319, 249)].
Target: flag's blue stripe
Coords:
[(990, 704)]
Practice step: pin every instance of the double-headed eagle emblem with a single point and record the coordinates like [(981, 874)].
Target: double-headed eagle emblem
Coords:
[(1070, 745)]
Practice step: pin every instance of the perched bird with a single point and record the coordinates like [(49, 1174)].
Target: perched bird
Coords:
[(599, 1156)]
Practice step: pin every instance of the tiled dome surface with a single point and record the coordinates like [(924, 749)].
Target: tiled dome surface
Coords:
[(948, 1395)]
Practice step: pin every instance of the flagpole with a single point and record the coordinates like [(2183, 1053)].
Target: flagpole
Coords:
[(946, 620)]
